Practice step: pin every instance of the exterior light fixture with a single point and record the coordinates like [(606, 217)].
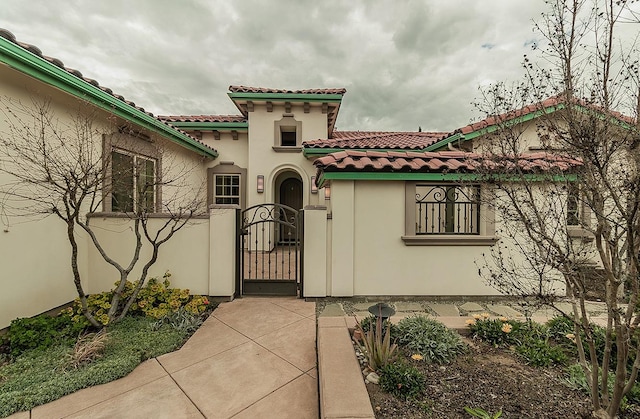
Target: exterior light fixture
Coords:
[(382, 311), (260, 184), (314, 187), (327, 192)]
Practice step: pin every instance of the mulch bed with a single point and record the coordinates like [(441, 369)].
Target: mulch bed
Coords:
[(492, 379)]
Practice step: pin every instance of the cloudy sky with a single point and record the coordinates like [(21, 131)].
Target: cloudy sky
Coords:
[(404, 63)]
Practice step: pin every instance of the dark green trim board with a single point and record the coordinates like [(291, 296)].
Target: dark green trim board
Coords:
[(518, 120), (214, 126), (414, 176), (42, 70), (283, 97)]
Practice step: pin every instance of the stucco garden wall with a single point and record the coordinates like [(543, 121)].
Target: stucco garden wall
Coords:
[(366, 255)]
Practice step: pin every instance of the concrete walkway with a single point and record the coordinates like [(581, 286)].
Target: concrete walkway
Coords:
[(252, 358)]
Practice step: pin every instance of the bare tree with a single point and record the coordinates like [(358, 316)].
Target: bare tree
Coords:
[(568, 223), (65, 166)]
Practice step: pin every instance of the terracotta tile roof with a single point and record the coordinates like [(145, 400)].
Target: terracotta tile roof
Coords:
[(377, 139), (545, 104), (443, 161), (203, 118), (248, 89), (35, 50)]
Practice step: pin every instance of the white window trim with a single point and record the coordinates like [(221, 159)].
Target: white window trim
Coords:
[(136, 162)]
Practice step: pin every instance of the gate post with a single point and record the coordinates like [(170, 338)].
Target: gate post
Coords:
[(222, 258), (315, 251)]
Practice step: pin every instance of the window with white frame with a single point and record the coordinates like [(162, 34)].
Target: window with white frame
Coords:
[(227, 189), (133, 182)]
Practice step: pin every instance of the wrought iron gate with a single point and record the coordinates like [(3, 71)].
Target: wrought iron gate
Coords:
[(269, 250)]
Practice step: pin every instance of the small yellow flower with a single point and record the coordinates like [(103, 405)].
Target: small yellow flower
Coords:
[(503, 319), (477, 316), (571, 337), (417, 357), (485, 315), (470, 322), (506, 328)]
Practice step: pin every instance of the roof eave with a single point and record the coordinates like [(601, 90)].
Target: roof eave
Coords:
[(30, 64), (213, 126)]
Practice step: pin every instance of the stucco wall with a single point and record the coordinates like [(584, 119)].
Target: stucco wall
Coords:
[(35, 253), (384, 265), (186, 255)]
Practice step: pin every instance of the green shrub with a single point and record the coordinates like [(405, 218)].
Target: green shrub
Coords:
[(539, 353), (402, 380), (155, 299), (429, 338), (41, 332), (498, 332), (181, 320)]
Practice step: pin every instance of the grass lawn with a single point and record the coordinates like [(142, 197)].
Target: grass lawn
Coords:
[(41, 376)]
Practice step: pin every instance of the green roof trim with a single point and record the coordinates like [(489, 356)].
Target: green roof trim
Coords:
[(285, 97), (437, 146), (214, 126), (419, 176), (34, 66)]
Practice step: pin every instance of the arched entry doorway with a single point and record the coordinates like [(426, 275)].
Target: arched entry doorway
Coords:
[(289, 193)]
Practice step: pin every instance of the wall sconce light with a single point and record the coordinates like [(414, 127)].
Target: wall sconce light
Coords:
[(314, 187), (260, 184), (327, 192)]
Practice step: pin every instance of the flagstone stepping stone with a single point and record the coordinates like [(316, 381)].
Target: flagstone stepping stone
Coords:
[(332, 310), (363, 306), (408, 306), (505, 311), (446, 310), (470, 306)]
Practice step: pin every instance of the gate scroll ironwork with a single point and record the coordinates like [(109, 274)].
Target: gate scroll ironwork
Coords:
[(269, 252)]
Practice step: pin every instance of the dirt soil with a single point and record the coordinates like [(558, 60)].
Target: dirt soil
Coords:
[(491, 379)]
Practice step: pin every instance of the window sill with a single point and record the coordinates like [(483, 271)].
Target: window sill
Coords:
[(287, 149), (578, 232), (438, 240), (131, 215)]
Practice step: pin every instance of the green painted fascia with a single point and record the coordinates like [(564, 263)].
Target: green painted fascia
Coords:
[(413, 176), (213, 126), (518, 120), (443, 143), (284, 97), (40, 69)]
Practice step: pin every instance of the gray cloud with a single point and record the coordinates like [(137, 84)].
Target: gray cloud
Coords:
[(404, 64)]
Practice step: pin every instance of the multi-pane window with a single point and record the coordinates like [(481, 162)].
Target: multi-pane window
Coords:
[(133, 182), (447, 209), (227, 189)]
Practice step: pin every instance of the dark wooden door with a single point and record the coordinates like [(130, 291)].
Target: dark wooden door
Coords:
[(291, 196)]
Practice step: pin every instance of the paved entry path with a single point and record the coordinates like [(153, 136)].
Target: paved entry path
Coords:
[(252, 358)]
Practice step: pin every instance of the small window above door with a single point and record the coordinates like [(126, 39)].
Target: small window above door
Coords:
[(287, 134)]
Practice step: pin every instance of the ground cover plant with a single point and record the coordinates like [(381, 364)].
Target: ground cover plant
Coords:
[(507, 368), (47, 357)]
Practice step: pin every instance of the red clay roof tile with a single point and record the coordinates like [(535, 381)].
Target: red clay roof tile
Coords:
[(249, 89), (377, 140), (203, 118), (443, 161)]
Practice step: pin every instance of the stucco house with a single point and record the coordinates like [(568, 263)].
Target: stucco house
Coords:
[(294, 205)]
